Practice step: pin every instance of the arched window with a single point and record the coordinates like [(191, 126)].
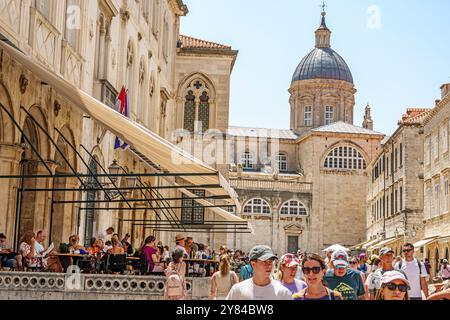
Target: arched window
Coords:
[(293, 208), (247, 161), (203, 111), (257, 206), (345, 157), (197, 107), (281, 159), (189, 112)]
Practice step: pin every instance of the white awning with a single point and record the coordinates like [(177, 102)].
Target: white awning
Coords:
[(155, 148), (370, 243), (424, 242), (383, 243), (444, 238), (364, 245), (359, 245)]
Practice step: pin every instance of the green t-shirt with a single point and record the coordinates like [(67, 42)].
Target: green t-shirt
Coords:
[(349, 286)]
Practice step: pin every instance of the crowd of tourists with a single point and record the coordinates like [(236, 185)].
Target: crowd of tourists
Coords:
[(261, 275), (257, 275)]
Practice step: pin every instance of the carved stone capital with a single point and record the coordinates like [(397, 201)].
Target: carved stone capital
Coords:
[(23, 82), (57, 107), (125, 14)]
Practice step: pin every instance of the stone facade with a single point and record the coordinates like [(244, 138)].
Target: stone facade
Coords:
[(100, 47), (395, 195), (436, 181), (313, 185)]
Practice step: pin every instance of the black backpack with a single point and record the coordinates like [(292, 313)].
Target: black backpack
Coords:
[(418, 262)]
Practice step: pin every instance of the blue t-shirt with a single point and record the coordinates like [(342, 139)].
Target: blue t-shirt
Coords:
[(349, 286), (363, 268)]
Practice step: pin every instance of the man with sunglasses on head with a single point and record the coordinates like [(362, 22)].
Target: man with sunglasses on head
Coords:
[(261, 286), (344, 280), (415, 271)]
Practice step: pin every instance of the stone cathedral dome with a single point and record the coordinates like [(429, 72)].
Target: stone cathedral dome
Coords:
[(323, 62)]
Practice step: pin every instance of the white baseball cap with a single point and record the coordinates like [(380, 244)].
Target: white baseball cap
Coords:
[(394, 275)]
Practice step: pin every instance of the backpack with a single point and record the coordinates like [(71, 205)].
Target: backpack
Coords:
[(174, 283), (418, 262)]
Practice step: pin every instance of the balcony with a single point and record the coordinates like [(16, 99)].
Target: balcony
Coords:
[(55, 286), (44, 40), (72, 65), (10, 17), (266, 182)]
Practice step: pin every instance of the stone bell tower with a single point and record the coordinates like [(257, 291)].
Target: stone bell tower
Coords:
[(322, 89)]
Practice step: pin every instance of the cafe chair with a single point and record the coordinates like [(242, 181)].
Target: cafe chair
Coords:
[(85, 265), (116, 263)]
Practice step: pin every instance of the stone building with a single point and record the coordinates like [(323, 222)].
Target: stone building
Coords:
[(301, 186), (305, 188), (395, 194), (436, 237), (101, 47)]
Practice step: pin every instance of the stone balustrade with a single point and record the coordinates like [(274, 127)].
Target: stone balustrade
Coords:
[(41, 286), (271, 185)]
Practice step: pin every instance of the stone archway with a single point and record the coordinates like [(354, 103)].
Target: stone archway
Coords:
[(7, 129), (32, 213), (10, 153), (62, 220)]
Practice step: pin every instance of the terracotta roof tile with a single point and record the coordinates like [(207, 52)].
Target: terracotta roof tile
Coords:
[(414, 116), (187, 42)]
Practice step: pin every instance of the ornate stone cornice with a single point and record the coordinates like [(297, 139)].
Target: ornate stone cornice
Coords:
[(440, 105), (179, 7)]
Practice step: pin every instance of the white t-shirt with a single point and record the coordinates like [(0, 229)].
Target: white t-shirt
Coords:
[(247, 290), (411, 269)]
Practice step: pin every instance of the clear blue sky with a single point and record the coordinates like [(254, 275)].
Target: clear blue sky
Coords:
[(400, 65)]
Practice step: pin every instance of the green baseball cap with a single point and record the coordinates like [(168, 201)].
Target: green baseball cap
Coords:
[(262, 253)]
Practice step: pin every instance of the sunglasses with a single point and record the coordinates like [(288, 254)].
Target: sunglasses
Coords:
[(400, 287), (315, 270), (353, 262), (407, 250)]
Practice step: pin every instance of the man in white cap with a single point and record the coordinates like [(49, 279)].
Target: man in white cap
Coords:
[(344, 280), (261, 286), (374, 285)]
